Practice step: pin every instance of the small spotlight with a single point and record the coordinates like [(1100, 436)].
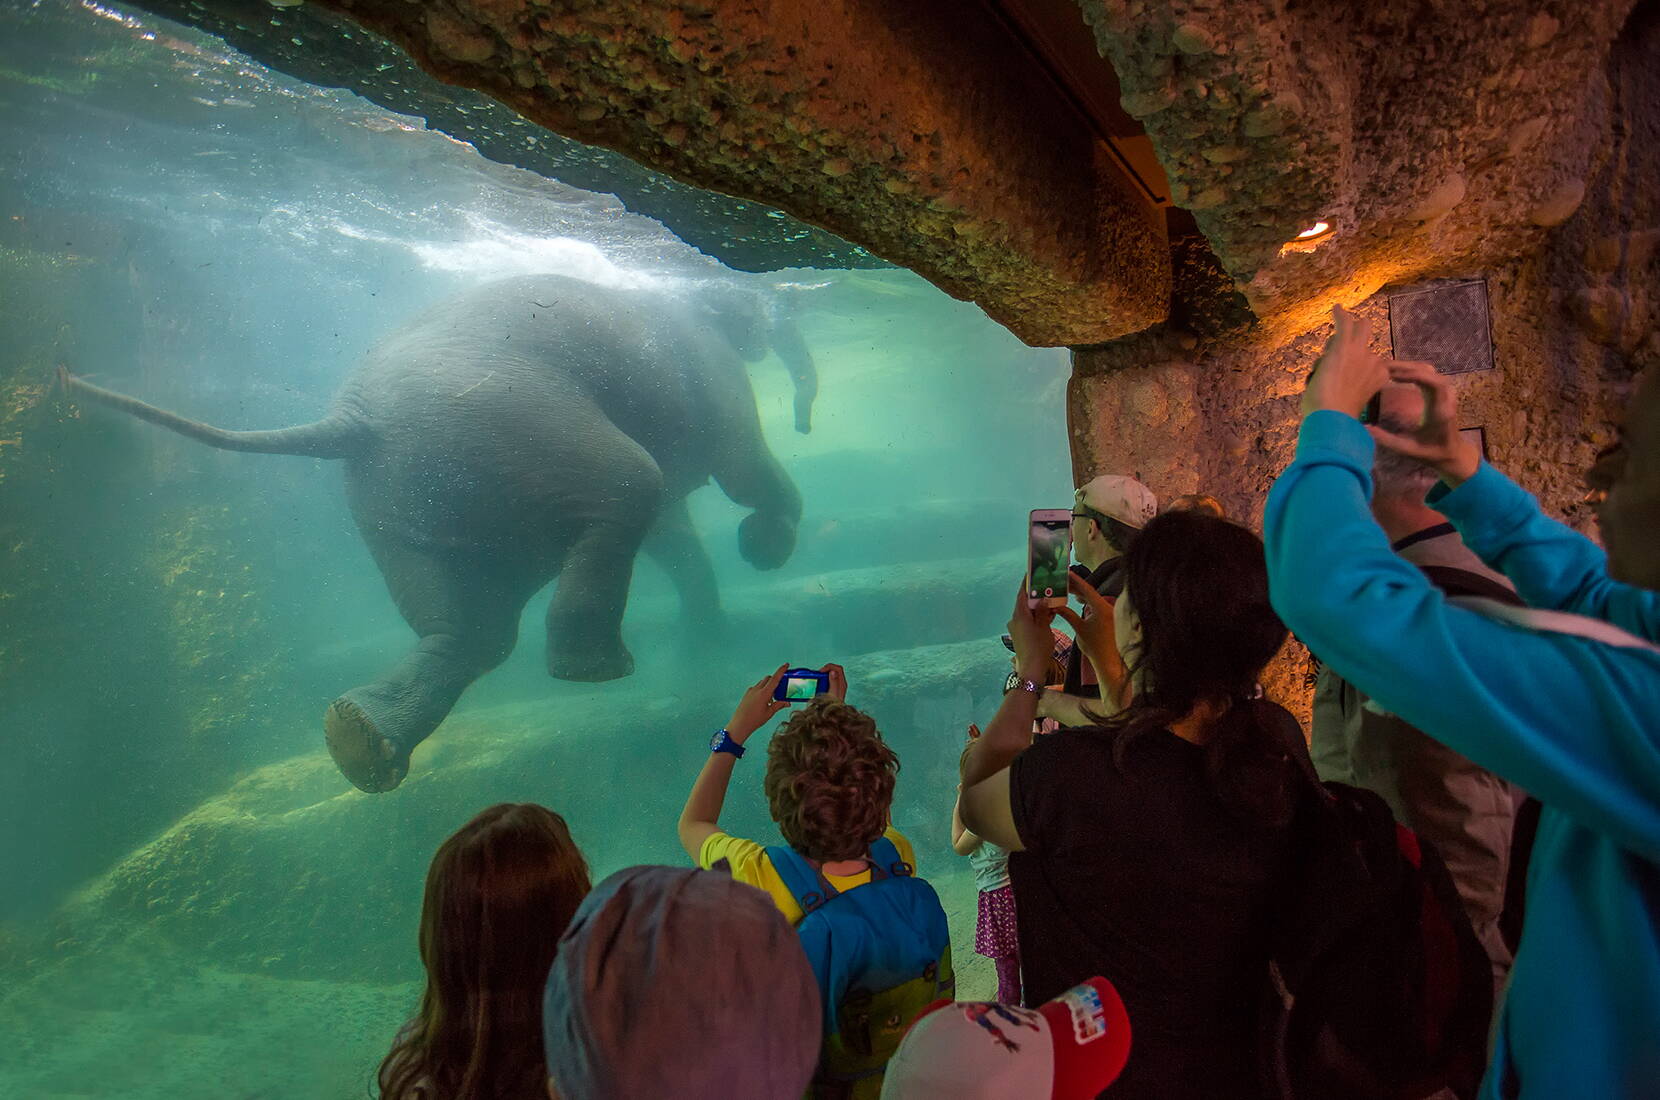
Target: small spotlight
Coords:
[(1310, 238)]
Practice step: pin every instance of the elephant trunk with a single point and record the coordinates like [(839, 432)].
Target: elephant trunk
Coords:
[(792, 352), (334, 436)]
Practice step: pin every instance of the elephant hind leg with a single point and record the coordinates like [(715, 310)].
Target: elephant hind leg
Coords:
[(584, 621), (371, 761), (467, 626), (674, 545)]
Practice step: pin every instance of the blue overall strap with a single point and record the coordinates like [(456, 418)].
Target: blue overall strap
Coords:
[(806, 882), (885, 856)]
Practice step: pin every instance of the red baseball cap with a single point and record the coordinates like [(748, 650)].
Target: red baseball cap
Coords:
[(1068, 1049)]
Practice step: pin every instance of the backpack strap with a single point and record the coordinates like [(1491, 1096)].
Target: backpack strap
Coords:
[(804, 880), (885, 861), (1463, 582)]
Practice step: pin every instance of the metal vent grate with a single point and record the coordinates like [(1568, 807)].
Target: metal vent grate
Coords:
[(1446, 325)]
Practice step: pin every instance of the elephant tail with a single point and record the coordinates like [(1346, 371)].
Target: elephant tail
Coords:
[(334, 436)]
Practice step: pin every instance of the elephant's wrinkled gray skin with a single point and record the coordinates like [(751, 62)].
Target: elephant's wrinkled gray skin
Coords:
[(531, 428)]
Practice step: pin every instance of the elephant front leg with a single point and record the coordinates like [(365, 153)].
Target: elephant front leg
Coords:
[(585, 616)]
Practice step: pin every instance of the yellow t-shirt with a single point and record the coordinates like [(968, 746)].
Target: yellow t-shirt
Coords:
[(750, 864)]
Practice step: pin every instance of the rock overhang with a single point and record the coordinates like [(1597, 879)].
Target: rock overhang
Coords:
[(924, 133), (1438, 141)]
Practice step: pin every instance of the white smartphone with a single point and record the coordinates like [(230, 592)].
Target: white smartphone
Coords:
[(1048, 556)]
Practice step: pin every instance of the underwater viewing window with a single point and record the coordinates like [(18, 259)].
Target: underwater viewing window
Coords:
[(316, 300)]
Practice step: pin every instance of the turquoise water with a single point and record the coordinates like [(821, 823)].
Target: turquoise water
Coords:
[(193, 902)]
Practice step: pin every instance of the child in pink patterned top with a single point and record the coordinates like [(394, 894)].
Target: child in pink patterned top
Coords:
[(995, 935), (994, 932)]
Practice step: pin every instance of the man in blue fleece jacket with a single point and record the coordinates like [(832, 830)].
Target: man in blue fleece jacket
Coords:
[(1565, 705)]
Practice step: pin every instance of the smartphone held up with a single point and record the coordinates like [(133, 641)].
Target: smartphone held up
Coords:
[(1048, 556)]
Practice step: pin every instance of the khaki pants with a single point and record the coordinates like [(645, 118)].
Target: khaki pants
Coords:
[(1464, 810)]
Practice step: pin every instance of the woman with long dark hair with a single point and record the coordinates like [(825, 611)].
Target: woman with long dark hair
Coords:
[(1147, 848), (499, 894)]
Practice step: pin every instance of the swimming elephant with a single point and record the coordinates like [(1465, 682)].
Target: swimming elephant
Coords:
[(531, 428)]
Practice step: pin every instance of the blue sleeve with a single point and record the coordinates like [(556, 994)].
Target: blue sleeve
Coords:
[(1552, 565), (1567, 718)]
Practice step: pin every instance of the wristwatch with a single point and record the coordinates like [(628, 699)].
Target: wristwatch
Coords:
[(722, 742), (1017, 682)]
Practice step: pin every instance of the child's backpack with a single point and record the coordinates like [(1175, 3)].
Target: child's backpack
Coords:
[(881, 953), (1378, 987)]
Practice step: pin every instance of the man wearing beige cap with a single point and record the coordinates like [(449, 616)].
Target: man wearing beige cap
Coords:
[(1107, 513)]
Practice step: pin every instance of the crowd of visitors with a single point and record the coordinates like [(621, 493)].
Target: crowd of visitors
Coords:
[(1179, 898)]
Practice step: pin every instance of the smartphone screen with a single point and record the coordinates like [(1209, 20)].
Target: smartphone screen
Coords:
[(1369, 415), (1049, 553), (801, 685)]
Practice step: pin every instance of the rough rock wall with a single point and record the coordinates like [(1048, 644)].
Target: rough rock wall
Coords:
[(285, 874), (918, 130), (331, 51), (1439, 138), (160, 657), (1572, 322)]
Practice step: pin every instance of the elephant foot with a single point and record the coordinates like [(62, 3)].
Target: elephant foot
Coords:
[(372, 761), (591, 666)]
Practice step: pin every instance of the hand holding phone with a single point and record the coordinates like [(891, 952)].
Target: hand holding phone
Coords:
[(801, 685), (757, 706), (1048, 556), (1348, 377), (838, 681), (1436, 440)]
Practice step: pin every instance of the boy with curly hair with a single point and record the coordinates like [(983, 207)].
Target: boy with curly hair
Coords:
[(875, 934), (829, 784)]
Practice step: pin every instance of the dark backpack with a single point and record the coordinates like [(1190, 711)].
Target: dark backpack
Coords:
[(881, 953), (1378, 987)]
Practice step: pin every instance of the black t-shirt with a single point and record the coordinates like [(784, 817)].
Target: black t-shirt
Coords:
[(1109, 581), (1145, 878)]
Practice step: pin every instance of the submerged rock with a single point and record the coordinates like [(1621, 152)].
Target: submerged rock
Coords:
[(292, 873)]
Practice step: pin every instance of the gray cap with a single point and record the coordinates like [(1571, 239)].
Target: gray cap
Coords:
[(681, 983)]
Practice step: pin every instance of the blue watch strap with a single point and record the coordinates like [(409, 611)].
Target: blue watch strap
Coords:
[(722, 742)]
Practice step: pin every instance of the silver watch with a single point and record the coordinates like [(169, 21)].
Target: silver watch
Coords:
[(1016, 682)]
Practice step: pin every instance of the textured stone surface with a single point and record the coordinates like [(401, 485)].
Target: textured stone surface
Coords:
[(165, 602), (1574, 318), (331, 51), (919, 130), (291, 873), (1138, 418), (1441, 138)]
